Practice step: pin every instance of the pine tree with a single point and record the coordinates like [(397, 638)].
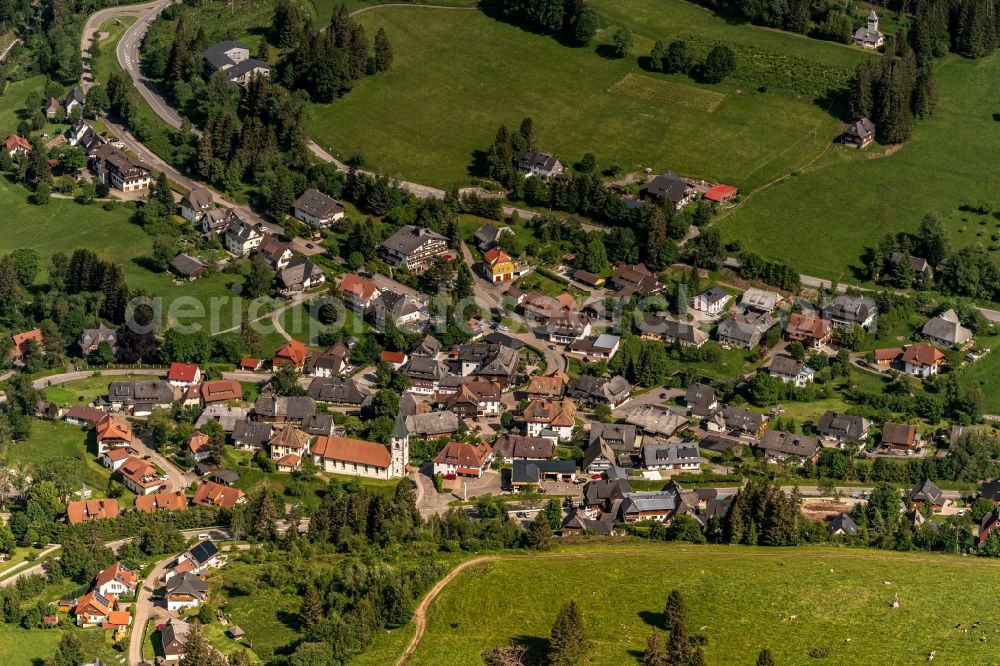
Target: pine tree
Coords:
[(249, 334), (656, 240), (538, 536), (656, 56), (860, 99), (765, 658), (383, 51), (654, 654), (679, 649), (197, 650), (675, 612), (568, 640), (500, 160), (178, 64), (357, 54), (162, 192), (527, 132), (266, 517), (311, 610)]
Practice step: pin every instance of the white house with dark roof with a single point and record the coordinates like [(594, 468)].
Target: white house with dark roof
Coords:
[(711, 302), (241, 237), (946, 330), (671, 187), (869, 37), (317, 209), (536, 163), (299, 275), (859, 134), (846, 310), (413, 247), (234, 59), (196, 203)]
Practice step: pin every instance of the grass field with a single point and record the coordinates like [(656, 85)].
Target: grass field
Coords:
[(497, 73), (984, 373), (737, 598), (821, 221)]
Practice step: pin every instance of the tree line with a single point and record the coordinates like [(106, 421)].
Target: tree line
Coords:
[(571, 20)]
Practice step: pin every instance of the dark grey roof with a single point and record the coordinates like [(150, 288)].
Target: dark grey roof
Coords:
[(789, 444), (926, 491), (410, 238), (95, 336), (532, 471), (742, 419), (720, 443), (203, 551), (173, 637), (226, 477), (715, 294), (75, 95), (298, 272), (620, 436), (599, 490), (318, 205), (785, 366), (488, 235), (338, 390), (149, 392), (947, 327), (424, 368), (861, 128), (600, 389), (497, 338), (248, 65), (700, 397), (252, 433), (842, 426), (854, 309), (198, 198), (318, 424), (991, 490), (669, 454), (426, 346), (668, 186), (187, 583), (578, 520), (216, 57), (534, 159), (843, 522), (292, 407)]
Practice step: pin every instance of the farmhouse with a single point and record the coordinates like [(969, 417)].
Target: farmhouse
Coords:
[(339, 391), (413, 247), (317, 209), (196, 203), (921, 359), (518, 447), (283, 409), (116, 169), (536, 163), (671, 187), (739, 421), (946, 330), (858, 134), (810, 331), (425, 374), (657, 420), (899, 436), (869, 36), (463, 459)]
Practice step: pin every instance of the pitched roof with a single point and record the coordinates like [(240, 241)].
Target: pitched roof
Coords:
[(218, 390), (187, 584), (432, 424), (548, 385), (78, 512), (214, 494), (410, 238), (22, 341), (528, 159), (464, 454), (357, 287), (187, 265), (165, 501), (788, 443), (289, 438), (621, 436), (801, 325), (338, 390), (657, 420), (519, 446), (899, 434), (921, 353), (182, 372), (843, 522), (118, 572), (198, 198), (926, 491), (947, 327), (842, 426), (669, 454), (294, 351), (112, 426), (318, 204), (720, 192), (198, 442), (668, 186), (560, 412), (14, 141), (356, 451)]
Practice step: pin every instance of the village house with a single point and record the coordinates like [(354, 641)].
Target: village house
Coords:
[(75, 101), (550, 386), (91, 338), (197, 560), (491, 361), (927, 494), (760, 300), (276, 253), (684, 457), (357, 292), (858, 134), (989, 523), (25, 344), (518, 447), (621, 437), (188, 267), (498, 266), (86, 510), (164, 501), (425, 374), (899, 436), (112, 432), (721, 193), (474, 399), (299, 275), (339, 391), (115, 580), (463, 459), (598, 458), (567, 328), (778, 445), (413, 247), (404, 311), (234, 59), (947, 331), (120, 171), (113, 459), (667, 329), (82, 415), (225, 415), (431, 425), (701, 400), (603, 346), (218, 220), (241, 237), (94, 608), (212, 494), (293, 353), (220, 390), (921, 268), (199, 446), (846, 311), (251, 435), (869, 37), (183, 375), (283, 409), (186, 590), (885, 358), (712, 301), (317, 209), (670, 187), (354, 457), (812, 332), (841, 428), (288, 441), (540, 307), (488, 236), (81, 134), (16, 145), (195, 204), (790, 371), (738, 421), (550, 418), (637, 279), (921, 359), (532, 472), (657, 421), (52, 108), (744, 331), (333, 362), (536, 163), (140, 477), (842, 525)]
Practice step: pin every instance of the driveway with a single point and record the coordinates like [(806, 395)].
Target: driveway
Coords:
[(143, 609)]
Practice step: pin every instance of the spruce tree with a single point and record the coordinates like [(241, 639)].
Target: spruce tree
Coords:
[(249, 334), (527, 132), (197, 650), (383, 51), (311, 610), (654, 654), (568, 640), (765, 658), (674, 612)]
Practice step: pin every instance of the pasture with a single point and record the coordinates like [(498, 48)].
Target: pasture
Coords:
[(740, 599), (427, 117)]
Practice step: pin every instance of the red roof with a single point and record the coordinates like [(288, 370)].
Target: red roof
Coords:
[(140, 472), (351, 450), (887, 354), (14, 141), (78, 512), (82, 413), (114, 455), (496, 256), (119, 572), (166, 501), (293, 351), (393, 357), (22, 340), (921, 353), (182, 372), (219, 390), (250, 364), (358, 287), (113, 427), (198, 442), (463, 454), (290, 460), (720, 192), (118, 619), (210, 493)]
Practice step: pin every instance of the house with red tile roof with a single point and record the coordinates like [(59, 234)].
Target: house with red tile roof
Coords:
[(550, 418), (117, 619), (23, 343), (221, 390), (113, 459), (83, 416), (899, 436), (183, 375), (165, 501), (354, 457), (113, 432), (288, 463), (358, 293), (140, 477), (884, 358), (292, 353), (86, 510), (16, 145), (810, 331), (463, 459), (94, 608), (115, 580), (395, 360), (198, 445), (250, 364), (720, 193), (210, 493), (922, 359)]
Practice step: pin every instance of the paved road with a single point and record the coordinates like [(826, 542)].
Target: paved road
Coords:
[(93, 25), (19, 570), (143, 608), (851, 490)]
